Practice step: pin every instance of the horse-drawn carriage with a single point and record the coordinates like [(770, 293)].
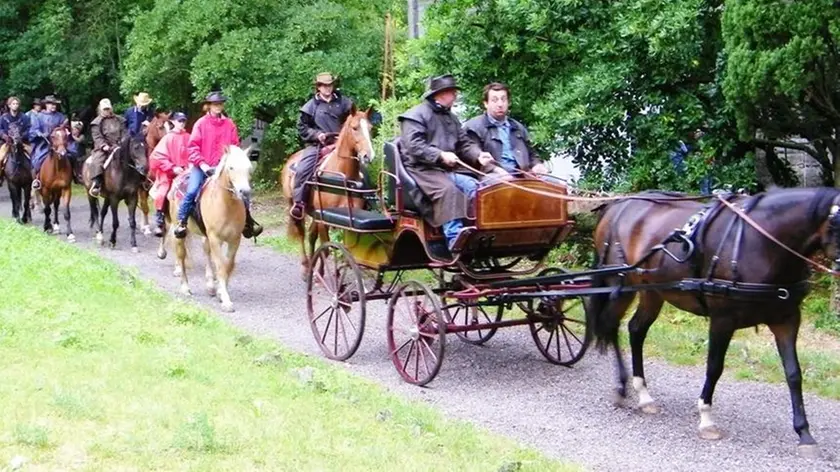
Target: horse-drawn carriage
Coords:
[(470, 295)]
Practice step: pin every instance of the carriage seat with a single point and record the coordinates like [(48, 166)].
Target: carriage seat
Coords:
[(363, 220), (339, 181), (394, 165)]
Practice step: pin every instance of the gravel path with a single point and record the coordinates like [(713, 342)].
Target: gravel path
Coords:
[(508, 388)]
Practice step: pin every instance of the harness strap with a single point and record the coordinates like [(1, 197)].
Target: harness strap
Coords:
[(769, 236)]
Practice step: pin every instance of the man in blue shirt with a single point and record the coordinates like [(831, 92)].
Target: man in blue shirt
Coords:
[(506, 139), (139, 116)]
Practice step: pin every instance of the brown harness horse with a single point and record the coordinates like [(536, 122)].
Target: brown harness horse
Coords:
[(353, 149), (717, 266), (56, 182)]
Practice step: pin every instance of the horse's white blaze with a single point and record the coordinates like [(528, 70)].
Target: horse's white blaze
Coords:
[(706, 420), (366, 133), (641, 389)]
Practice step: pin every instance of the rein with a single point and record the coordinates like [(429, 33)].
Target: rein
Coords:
[(572, 197)]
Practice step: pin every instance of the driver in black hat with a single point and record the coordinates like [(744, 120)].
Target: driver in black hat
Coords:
[(320, 121)]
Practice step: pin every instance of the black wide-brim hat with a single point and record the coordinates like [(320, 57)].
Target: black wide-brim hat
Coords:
[(215, 97), (439, 84), (51, 99)]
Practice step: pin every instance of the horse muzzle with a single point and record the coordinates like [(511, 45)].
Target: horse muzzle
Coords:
[(243, 193)]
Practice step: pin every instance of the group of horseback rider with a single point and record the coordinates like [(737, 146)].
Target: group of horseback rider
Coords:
[(438, 152)]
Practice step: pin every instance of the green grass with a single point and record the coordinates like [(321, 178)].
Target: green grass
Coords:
[(103, 372)]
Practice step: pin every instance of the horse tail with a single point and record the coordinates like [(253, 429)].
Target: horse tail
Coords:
[(605, 320)]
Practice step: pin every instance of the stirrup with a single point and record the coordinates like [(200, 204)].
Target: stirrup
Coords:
[(181, 230), (94, 191), (301, 209), (36, 184)]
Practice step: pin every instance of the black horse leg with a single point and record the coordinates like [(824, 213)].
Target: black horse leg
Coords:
[(115, 221), (93, 203), (131, 203), (648, 310), (102, 214), (720, 334), (56, 201), (47, 219), (14, 193), (27, 212), (785, 335), (65, 202)]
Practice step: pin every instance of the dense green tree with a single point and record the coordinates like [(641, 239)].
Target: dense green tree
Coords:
[(615, 83), (782, 72), (262, 54)]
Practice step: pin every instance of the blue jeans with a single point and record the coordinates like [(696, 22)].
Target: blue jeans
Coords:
[(469, 186), (194, 183), (196, 180)]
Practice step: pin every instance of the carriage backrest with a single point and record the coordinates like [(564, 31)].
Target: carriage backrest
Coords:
[(394, 165)]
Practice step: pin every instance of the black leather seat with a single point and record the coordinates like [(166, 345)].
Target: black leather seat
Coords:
[(394, 165), (339, 181), (363, 220)]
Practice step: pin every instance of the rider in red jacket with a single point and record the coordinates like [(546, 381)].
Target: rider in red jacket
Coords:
[(210, 134), (168, 160)]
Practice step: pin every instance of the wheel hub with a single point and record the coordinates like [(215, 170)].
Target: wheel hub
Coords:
[(414, 332)]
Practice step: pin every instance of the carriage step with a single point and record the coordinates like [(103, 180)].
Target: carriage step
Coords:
[(363, 220)]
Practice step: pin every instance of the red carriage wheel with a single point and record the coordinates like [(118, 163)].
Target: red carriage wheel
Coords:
[(561, 330), (416, 333), (472, 315), (335, 300)]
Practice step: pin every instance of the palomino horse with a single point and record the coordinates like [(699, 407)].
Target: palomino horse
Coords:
[(222, 219), (353, 148), (18, 171), (56, 182), (124, 175), (719, 247)]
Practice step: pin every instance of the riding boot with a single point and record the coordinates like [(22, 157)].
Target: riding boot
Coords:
[(252, 228), (96, 186), (160, 224), (181, 229)]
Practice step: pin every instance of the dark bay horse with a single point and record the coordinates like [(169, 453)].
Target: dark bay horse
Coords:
[(18, 171), (353, 149), (771, 280), (57, 182), (154, 132), (124, 176)]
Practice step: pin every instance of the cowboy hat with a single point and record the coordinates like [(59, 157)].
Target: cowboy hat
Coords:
[(215, 97), (105, 104), (324, 78), (439, 84), (142, 99), (178, 116), (50, 99)]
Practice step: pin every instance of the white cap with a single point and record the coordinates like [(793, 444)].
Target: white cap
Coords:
[(105, 104)]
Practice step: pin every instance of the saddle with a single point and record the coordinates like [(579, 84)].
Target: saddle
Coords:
[(179, 191), (322, 153)]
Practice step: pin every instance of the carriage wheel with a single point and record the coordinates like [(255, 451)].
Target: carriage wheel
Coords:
[(335, 300), (416, 333), (560, 330), (560, 327), (472, 315)]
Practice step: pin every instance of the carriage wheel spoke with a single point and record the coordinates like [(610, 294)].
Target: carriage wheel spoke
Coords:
[(315, 320), (327, 328), (566, 338)]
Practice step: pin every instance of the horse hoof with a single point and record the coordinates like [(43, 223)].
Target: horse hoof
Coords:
[(185, 290), (227, 307), (617, 400), (211, 291), (147, 230), (161, 254), (98, 237), (710, 433), (809, 451), (71, 238), (649, 409), (135, 249)]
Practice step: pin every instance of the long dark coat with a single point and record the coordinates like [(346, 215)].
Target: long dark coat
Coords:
[(426, 131)]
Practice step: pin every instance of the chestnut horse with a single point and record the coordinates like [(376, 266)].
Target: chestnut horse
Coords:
[(222, 212), (770, 280), (353, 148), (154, 132), (56, 182)]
